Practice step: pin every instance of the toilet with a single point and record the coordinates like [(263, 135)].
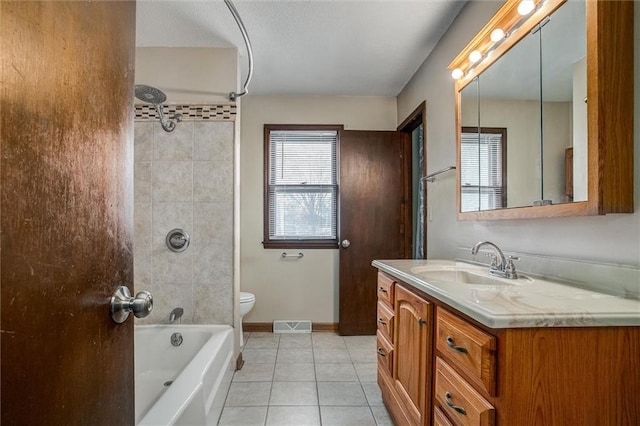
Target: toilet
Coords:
[(247, 300)]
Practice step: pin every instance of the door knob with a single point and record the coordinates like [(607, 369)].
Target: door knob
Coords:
[(345, 243), (122, 304)]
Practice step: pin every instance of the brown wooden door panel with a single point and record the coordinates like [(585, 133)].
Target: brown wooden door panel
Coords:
[(374, 195), (66, 130)]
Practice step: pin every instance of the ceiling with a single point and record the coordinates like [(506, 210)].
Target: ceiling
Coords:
[(311, 47)]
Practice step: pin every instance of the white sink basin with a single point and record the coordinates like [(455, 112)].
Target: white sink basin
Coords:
[(475, 276)]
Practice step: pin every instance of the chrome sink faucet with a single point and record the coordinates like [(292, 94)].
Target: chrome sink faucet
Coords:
[(175, 314), (500, 265)]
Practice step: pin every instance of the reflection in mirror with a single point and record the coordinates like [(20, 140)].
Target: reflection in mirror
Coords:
[(484, 151), (564, 91), (469, 150), (509, 98)]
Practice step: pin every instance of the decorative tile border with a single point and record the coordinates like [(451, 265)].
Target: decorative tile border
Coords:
[(147, 112)]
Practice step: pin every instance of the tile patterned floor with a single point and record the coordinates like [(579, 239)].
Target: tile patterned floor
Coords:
[(306, 380)]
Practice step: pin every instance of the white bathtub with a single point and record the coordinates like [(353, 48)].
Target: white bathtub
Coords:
[(200, 368)]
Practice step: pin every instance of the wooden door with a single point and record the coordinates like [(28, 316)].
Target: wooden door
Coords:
[(412, 354), (66, 168), (374, 217)]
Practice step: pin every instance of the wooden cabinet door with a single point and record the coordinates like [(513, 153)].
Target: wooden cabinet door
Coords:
[(412, 357)]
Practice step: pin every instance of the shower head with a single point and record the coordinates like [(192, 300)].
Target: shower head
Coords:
[(157, 97), (150, 94)]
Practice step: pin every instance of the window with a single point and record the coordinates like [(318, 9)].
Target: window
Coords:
[(483, 168), (301, 186)]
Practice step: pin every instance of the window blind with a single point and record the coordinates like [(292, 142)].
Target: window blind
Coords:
[(302, 185), (481, 173)]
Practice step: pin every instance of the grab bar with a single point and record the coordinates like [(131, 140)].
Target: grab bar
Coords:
[(431, 177), (286, 255)]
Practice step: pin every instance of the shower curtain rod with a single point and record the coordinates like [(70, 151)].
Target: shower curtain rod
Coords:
[(233, 95)]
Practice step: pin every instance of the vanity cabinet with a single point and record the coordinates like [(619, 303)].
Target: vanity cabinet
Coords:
[(404, 351), (447, 369)]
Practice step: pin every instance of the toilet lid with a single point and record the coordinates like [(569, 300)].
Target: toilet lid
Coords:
[(246, 297)]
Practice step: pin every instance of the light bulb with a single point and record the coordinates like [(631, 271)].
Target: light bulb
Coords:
[(475, 56), (457, 73), (497, 35), (525, 7)]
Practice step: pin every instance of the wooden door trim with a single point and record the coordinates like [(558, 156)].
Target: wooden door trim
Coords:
[(408, 125)]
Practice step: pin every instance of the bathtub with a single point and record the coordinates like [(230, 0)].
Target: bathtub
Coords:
[(186, 384)]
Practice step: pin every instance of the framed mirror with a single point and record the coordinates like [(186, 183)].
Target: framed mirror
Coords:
[(528, 142)]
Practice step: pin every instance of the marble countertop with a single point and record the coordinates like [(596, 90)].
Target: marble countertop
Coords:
[(525, 302)]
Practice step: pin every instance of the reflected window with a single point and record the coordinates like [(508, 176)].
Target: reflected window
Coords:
[(483, 169)]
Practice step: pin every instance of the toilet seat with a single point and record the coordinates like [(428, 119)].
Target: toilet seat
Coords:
[(247, 297)]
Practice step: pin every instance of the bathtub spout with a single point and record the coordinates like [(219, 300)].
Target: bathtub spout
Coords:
[(175, 314)]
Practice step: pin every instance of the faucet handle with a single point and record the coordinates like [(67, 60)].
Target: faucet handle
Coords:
[(494, 259), (510, 269)]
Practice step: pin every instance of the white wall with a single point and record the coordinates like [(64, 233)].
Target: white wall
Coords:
[(293, 289), (612, 238), (192, 75)]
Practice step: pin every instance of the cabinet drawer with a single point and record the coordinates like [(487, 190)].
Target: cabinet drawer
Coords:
[(385, 321), (385, 353), (385, 288), (467, 348), (439, 419), (463, 404)]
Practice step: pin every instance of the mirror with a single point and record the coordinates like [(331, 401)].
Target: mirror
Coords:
[(564, 110), (522, 117), (532, 106)]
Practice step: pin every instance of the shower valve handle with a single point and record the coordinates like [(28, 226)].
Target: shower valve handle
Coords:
[(122, 304)]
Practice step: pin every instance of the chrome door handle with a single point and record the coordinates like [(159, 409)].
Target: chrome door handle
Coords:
[(345, 243), (122, 304)]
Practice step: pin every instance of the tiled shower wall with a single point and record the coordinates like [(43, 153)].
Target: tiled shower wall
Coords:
[(184, 179)]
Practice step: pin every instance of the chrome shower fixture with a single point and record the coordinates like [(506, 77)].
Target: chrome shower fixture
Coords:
[(157, 98)]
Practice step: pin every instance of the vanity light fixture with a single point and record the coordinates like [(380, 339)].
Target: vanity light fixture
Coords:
[(475, 56), (503, 31), (497, 35), (526, 7), (457, 73)]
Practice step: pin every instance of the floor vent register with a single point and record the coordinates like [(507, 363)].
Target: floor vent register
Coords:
[(281, 326)]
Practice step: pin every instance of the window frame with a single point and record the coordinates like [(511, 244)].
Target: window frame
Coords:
[(267, 242), (502, 131)]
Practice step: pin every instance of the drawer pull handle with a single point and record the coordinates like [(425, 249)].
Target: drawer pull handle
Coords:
[(381, 321), (421, 321), (382, 289), (453, 346), (381, 352), (447, 398)]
